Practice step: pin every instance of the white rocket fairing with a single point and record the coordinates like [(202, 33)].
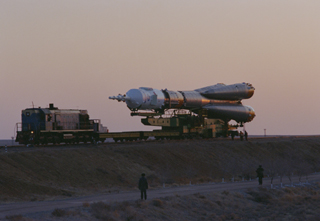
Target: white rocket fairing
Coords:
[(220, 100)]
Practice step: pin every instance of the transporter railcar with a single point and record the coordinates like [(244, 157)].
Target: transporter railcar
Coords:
[(177, 125)]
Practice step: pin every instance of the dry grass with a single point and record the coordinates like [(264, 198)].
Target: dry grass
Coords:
[(60, 213), (86, 204), (293, 203), (65, 213), (257, 204), (15, 218)]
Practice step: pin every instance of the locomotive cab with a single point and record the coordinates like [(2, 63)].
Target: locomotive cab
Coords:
[(33, 119)]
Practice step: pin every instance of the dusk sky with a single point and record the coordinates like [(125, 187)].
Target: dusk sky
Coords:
[(77, 53)]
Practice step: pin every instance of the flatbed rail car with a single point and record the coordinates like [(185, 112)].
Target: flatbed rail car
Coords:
[(176, 126), (121, 136), (139, 135)]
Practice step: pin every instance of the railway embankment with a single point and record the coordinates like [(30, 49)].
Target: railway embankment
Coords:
[(39, 173)]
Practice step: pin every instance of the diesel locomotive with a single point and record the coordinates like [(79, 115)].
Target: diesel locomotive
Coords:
[(54, 125)]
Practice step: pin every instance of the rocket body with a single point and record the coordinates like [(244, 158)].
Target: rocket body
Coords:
[(145, 99), (220, 101)]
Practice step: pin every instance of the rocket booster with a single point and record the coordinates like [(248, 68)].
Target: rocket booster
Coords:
[(220, 100)]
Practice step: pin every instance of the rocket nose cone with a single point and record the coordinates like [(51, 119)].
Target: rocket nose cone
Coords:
[(252, 114), (250, 92), (136, 98)]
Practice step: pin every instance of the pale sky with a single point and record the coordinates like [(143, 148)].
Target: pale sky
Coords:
[(77, 53)]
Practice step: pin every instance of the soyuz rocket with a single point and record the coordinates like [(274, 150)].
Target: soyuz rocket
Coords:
[(219, 101)]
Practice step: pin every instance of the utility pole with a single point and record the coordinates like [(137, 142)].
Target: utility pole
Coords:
[(265, 132)]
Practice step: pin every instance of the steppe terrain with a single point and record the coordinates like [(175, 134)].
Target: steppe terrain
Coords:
[(46, 173)]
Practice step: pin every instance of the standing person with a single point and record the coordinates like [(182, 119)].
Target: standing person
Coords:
[(246, 135), (241, 135), (232, 136), (143, 186), (259, 172)]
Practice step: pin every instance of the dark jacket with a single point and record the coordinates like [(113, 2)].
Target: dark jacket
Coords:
[(259, 172), (143, 183)]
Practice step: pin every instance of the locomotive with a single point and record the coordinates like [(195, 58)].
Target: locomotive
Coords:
[(54, 125)]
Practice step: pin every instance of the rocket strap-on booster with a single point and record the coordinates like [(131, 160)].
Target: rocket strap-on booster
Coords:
[(219, 101)]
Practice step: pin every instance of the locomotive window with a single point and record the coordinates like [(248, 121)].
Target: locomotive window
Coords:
[(27, 114)]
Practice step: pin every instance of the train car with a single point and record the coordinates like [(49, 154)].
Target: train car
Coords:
[(53, 125), (139, 135), (121, 136), (176, 126)]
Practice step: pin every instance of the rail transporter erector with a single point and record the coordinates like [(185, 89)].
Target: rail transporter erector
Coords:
[(204, 112)]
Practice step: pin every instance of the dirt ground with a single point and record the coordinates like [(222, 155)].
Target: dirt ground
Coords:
[(296, 203), (40, 173)]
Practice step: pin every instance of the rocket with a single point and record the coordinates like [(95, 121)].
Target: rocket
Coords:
[(219, 101)]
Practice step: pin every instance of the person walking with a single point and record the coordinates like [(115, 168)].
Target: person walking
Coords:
[(259, 172), (143, 186)]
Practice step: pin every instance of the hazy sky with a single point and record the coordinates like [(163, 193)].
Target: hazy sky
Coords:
[(77, 53)]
